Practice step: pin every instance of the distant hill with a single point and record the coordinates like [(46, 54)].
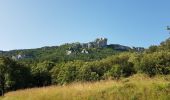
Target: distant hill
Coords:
[(90, 51)]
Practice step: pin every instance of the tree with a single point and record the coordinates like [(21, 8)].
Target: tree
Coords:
[(41, 73), (4, 70), (88, 73), (152, 49), (12, 75), (115, 72), (156, 63)]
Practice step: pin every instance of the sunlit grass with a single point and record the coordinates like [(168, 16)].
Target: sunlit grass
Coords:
[(137, 87)]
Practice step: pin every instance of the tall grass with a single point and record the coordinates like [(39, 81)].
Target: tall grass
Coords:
[(137, 87)]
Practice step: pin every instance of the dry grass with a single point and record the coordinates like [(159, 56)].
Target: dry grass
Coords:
[(137, 87)]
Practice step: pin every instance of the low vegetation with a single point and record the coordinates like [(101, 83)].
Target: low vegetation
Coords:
[(136, 87)]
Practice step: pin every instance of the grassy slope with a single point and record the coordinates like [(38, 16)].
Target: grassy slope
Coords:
[(137, 87)]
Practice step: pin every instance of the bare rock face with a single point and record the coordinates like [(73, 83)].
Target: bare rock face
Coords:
[(17, 57), (84, 51), (68, 52)]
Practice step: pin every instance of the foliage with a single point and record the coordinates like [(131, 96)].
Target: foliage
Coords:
[(156, 63), (13, 75), (51, 65), (41, 73)]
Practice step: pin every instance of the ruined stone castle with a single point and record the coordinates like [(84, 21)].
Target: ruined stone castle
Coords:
[(99, 42)]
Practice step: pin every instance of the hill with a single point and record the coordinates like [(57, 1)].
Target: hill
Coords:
[(91, 51), (81, 63)]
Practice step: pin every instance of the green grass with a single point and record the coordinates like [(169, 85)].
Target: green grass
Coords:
[(137, 87)]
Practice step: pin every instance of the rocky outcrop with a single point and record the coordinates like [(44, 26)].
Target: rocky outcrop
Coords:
[(119, 47), (19, 56)]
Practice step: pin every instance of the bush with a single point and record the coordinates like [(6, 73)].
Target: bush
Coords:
[(156, 63), (88, 72), (115, 72)]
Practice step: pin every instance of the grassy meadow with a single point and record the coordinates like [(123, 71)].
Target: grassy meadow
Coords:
[(136, 87)]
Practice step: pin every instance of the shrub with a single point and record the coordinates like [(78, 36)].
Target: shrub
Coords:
[(156, 63)]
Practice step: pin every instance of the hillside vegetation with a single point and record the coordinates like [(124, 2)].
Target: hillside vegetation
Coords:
[(60, 53), (136, 87), (99, 64)]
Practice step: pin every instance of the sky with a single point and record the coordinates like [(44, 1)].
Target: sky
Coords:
[(26, 24)]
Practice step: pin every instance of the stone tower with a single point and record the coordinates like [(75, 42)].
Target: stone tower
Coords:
[(101, 42)]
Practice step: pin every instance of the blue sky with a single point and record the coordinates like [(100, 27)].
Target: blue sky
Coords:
[(37, 23)]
